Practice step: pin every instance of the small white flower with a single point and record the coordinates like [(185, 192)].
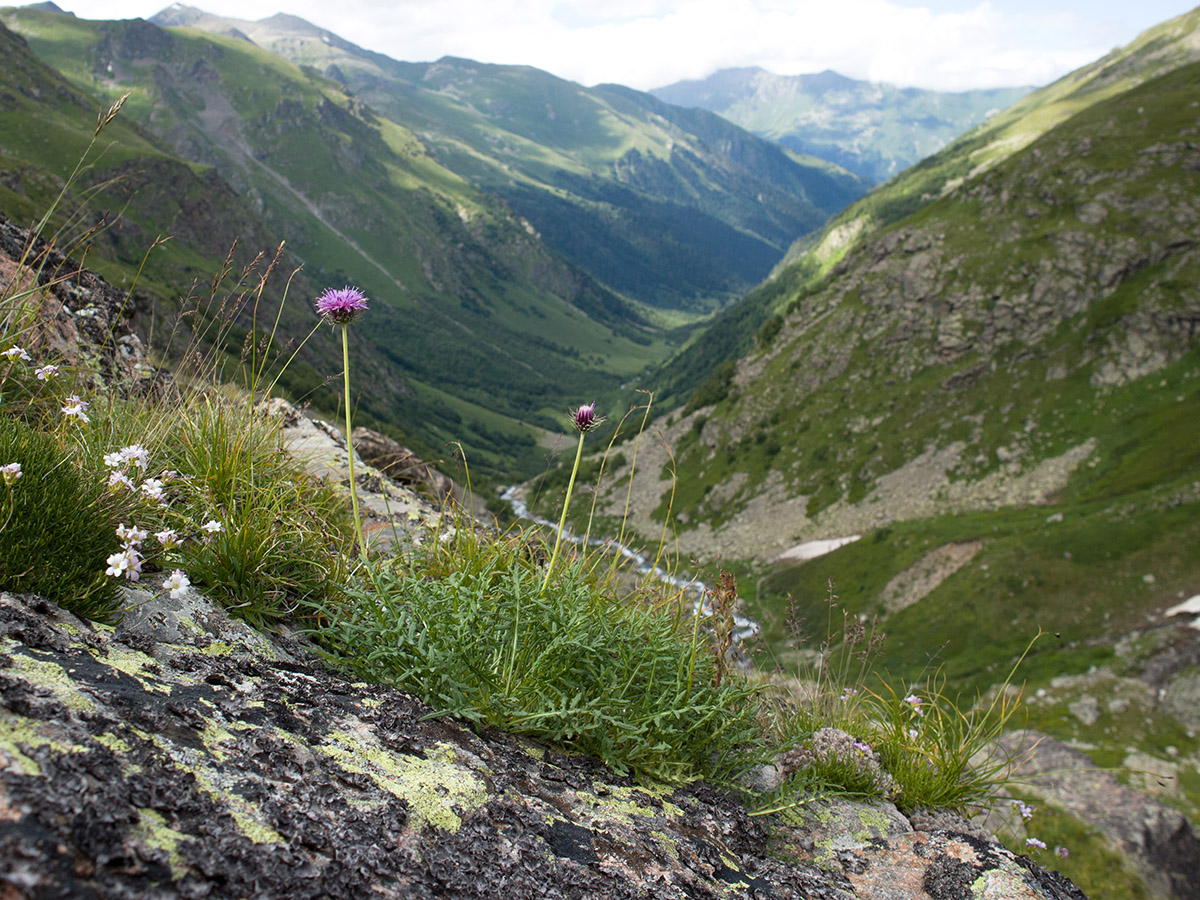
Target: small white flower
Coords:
[(169, 539), (118, 480), (1034, 842), (11, 473), (136, 454), (212, 526), (177, 583), (113, 460), (45, 373), (117, 564), (128, 563), (15, 352), (153, 488), (77, 408)]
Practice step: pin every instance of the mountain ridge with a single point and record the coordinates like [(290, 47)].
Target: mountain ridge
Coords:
[(872, 128)]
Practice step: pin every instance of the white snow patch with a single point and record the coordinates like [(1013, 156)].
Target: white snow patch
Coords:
[(812, 549), (1190, 606)]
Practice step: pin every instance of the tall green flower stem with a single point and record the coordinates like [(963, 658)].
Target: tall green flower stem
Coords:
[(341, 306), (582, 420), (562, 522), (362, 544)]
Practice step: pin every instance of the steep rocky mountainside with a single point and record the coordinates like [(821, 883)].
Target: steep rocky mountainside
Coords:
[(994, 400), (672, 207), (1155, 52), (875, 130), (955, 360)]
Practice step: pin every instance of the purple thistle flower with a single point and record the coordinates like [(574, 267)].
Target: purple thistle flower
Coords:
[(341, 306), (585, 419)]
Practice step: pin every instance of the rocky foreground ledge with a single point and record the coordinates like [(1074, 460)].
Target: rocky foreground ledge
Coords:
[(184, 755)]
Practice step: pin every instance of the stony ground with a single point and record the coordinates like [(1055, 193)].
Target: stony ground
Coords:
[(183, 755)]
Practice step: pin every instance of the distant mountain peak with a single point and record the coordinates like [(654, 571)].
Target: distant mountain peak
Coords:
[(292, 23), (178, 14), (49, 6)]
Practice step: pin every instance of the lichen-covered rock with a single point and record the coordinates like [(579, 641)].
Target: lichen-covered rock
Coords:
[(182, 755)]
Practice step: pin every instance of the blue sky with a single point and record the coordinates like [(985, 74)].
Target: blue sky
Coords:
[(941, 44)]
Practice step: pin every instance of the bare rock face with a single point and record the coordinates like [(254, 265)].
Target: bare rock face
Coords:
[(399, 463), (1159, 839), (80, 319), (183, 755)]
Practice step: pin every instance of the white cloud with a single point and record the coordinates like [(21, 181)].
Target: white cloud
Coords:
[(649, 43)]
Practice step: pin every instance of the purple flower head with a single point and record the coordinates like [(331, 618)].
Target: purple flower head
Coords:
[(342, 305), (584, 419)]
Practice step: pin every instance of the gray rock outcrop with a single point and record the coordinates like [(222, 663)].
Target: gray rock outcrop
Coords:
[(184, 755)]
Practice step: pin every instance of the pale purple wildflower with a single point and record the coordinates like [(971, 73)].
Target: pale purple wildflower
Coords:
[(177, 583), (915, 702), (153, 488), (15, 352), (913, 734), (77, 408), (862, 748), (1061, 852), (1023, 808), (169, 539), (11, 473), (128, 563), (118, 480), (849, 692), (342, 306), (584, 419), (45, 373), (1034, 842), (212, 526)]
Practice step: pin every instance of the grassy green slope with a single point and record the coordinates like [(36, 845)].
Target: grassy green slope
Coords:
[(1046, 311), (466, 299)]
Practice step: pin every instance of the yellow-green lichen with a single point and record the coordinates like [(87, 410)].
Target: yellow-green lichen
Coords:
[(431, 787), (46, 674), (17, 732), (133, 663), (112, 742), (997, 885), (258, 832), (242, 812), (218, 648), (153, 831), (619, 804)]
